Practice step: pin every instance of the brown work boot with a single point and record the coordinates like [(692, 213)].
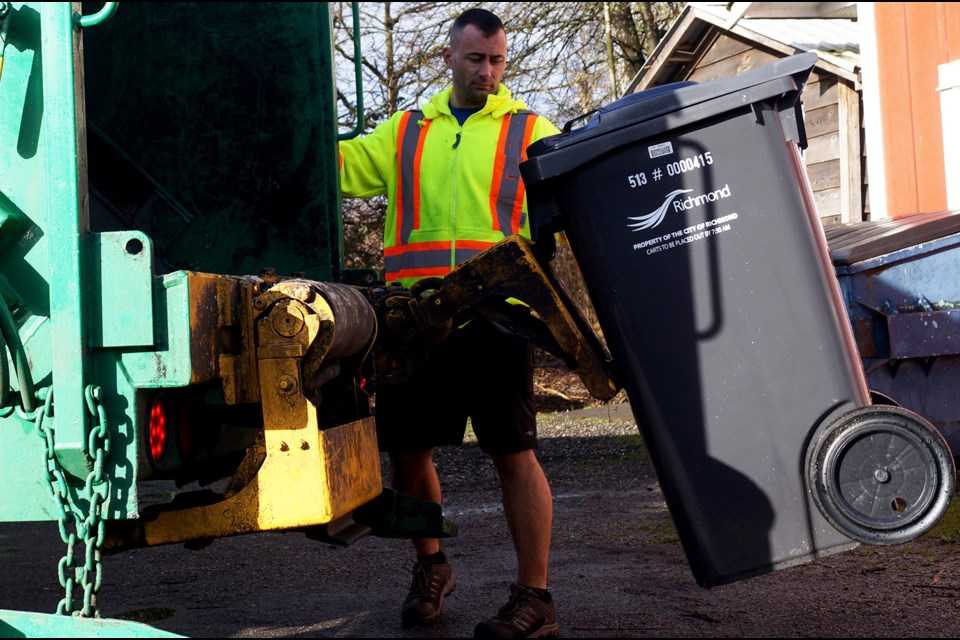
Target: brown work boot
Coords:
[(432, 581), (526, 615)]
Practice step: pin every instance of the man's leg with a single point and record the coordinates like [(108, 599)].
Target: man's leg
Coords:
[(528, 505), (414, 474)]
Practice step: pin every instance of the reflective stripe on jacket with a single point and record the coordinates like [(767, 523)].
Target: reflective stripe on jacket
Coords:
[(454, 191)]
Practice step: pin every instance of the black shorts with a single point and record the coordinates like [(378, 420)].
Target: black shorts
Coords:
[(480, 371)]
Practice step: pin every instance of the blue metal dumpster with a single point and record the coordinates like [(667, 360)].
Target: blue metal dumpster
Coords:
[(900, 280)]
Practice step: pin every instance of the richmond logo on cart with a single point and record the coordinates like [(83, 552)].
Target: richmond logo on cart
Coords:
[(673, 200)]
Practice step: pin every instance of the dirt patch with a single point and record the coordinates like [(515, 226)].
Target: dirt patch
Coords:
[(558, 388)]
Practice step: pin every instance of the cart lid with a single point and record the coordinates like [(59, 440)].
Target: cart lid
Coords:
[(662, 109)]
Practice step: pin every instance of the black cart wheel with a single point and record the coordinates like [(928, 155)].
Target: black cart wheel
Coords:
[(881, 474)]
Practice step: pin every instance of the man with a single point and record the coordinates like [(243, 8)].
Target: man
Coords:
[(450, 171)]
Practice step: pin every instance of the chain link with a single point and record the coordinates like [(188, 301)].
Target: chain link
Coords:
[(87, 522)]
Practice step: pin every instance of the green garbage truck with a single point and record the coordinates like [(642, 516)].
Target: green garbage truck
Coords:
[(175, 306)]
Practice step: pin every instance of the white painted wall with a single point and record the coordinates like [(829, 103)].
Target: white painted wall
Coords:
[(949, 81), (873, 134)]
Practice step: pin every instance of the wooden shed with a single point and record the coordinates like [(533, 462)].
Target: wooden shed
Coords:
[(708, 41)]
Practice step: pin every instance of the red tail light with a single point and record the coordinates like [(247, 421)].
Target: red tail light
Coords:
[(158, 431)]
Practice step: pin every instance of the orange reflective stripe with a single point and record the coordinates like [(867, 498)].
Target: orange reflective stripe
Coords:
[(497, 182), (474, 244), (418, 246), (416, 176), (432, 258), (416, 260), (506, 191), (410, 139), (439, 272), (517, 217)]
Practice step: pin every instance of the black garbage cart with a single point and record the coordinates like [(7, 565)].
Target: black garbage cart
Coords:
[(689, 213)]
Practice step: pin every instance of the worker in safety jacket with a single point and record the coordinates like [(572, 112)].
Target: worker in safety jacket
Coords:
[(450, 171)]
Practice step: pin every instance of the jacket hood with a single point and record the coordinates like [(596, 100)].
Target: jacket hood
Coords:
[(498, 104)]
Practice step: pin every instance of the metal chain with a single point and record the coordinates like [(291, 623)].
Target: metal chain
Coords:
[(88, 523)]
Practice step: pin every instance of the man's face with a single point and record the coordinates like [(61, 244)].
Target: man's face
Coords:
[(477, 63)]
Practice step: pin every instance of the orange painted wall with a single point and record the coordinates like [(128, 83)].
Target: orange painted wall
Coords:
[(912, 40)]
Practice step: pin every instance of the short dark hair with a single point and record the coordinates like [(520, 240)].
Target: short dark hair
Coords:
[(486, 21)]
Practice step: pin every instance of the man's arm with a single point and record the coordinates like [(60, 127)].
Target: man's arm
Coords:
[(368, 163)]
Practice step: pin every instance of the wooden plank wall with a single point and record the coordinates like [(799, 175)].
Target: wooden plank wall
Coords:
[(834, 155)]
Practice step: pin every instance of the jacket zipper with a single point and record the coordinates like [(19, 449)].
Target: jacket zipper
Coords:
[(453, 203)]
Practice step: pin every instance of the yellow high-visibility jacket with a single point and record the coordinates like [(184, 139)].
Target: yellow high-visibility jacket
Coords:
[(453, 191)]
